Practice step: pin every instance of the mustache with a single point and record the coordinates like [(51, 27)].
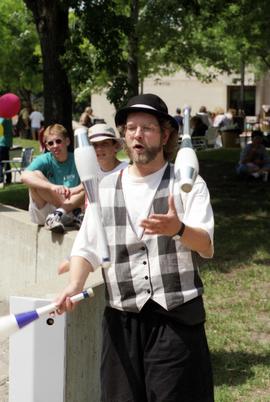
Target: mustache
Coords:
[(147, 156)]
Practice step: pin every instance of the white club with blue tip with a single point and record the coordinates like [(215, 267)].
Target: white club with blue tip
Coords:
[(87, 166), (186, 165), (12, 323)]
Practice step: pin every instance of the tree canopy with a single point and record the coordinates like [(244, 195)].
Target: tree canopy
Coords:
[(20, 61), (116, 44)]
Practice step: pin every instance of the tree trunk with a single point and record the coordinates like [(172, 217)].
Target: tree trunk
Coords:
[(51, 19), (133, 78), (242, 85)]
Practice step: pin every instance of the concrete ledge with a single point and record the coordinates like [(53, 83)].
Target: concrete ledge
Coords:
[(30, 255), (29, 258)]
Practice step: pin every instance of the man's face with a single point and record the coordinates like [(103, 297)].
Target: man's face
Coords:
[(144, 140), (105, 150), (57, 144)]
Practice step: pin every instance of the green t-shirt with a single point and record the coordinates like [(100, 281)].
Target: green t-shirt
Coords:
[(6, 133), (64, 173)]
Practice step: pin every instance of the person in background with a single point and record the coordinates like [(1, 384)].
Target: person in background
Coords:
[(85, 120), (36, 118), (154, 342), (23, 124), (42, 144), (205, 116), (254, 159), (218, 117), (6, 142), (197, 126), (107, 145), (229, 118), (90, 113), (51, 177), (178, 117)]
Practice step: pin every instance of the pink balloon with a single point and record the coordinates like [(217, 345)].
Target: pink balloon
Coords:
[(9, 105)]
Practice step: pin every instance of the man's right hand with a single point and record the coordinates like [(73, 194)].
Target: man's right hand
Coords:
[(63, 300), (63, 191)]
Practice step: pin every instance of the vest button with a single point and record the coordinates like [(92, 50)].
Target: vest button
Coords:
[(148, 291), (144, 262), (143, 248), (146, 277)]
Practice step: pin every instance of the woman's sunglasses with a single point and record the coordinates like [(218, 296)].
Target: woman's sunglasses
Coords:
[(58, 141)]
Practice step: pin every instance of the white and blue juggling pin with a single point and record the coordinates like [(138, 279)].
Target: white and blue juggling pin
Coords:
[(12, 323), (87, 167), (186, 164)]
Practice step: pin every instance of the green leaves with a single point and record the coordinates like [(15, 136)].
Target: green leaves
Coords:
[(20, 63)]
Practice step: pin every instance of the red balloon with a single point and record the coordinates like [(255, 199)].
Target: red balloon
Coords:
[(9, 105)]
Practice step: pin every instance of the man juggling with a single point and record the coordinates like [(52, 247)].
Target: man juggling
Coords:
[(154, 342)]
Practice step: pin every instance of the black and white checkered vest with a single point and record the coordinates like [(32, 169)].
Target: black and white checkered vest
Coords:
[(155, 267)]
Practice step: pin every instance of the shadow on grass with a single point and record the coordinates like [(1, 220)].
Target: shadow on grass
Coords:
[(241, 210), (15, 195), (234, 368)]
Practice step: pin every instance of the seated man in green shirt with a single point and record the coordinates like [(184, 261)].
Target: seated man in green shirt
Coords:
[(53, 183)]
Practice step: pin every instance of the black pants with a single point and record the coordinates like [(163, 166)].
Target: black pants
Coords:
[(4, 155), (148, 358)]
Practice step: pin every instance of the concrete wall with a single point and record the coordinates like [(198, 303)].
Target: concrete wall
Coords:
[(83, 348), (28, 267), (179, 90)]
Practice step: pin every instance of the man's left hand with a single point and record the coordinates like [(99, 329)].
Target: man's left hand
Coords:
[(163, 224)]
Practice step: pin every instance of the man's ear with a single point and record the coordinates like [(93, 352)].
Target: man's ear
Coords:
[(68, 141), (165, 136)]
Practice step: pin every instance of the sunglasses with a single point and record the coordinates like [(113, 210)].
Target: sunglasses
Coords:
[(58, 141)]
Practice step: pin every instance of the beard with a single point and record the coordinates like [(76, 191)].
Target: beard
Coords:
[(148, 155)]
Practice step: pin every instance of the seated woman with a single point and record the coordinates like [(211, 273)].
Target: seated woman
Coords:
[(254, 159), (198, 127)]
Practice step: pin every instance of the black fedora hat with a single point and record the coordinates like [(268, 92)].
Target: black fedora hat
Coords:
[(147, 103)]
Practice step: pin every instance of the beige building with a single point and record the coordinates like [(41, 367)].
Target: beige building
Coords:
[(179, 90)]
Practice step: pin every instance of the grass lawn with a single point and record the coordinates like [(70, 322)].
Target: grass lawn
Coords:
[(237, 279), (17, 194)]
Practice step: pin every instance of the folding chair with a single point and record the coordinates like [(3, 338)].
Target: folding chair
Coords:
[(211, 137), (199, 143), (17, 164)]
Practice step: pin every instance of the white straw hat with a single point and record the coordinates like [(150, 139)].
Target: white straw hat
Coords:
[(101, 132)]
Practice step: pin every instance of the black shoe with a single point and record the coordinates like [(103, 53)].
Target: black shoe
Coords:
[(78, 217)]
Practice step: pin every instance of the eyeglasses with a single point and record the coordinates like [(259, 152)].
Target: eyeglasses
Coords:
[(58, 141), (146, 129)]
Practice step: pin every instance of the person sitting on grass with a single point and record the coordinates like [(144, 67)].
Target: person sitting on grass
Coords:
[(106, 146), (254, 159), (54, 184)]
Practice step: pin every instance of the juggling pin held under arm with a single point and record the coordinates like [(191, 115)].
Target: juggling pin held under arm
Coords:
[(186, 163), (14, 322), (87, 166)]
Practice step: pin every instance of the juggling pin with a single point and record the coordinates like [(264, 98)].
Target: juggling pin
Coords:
[(186, 165), (87, 166), (12, 323)]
